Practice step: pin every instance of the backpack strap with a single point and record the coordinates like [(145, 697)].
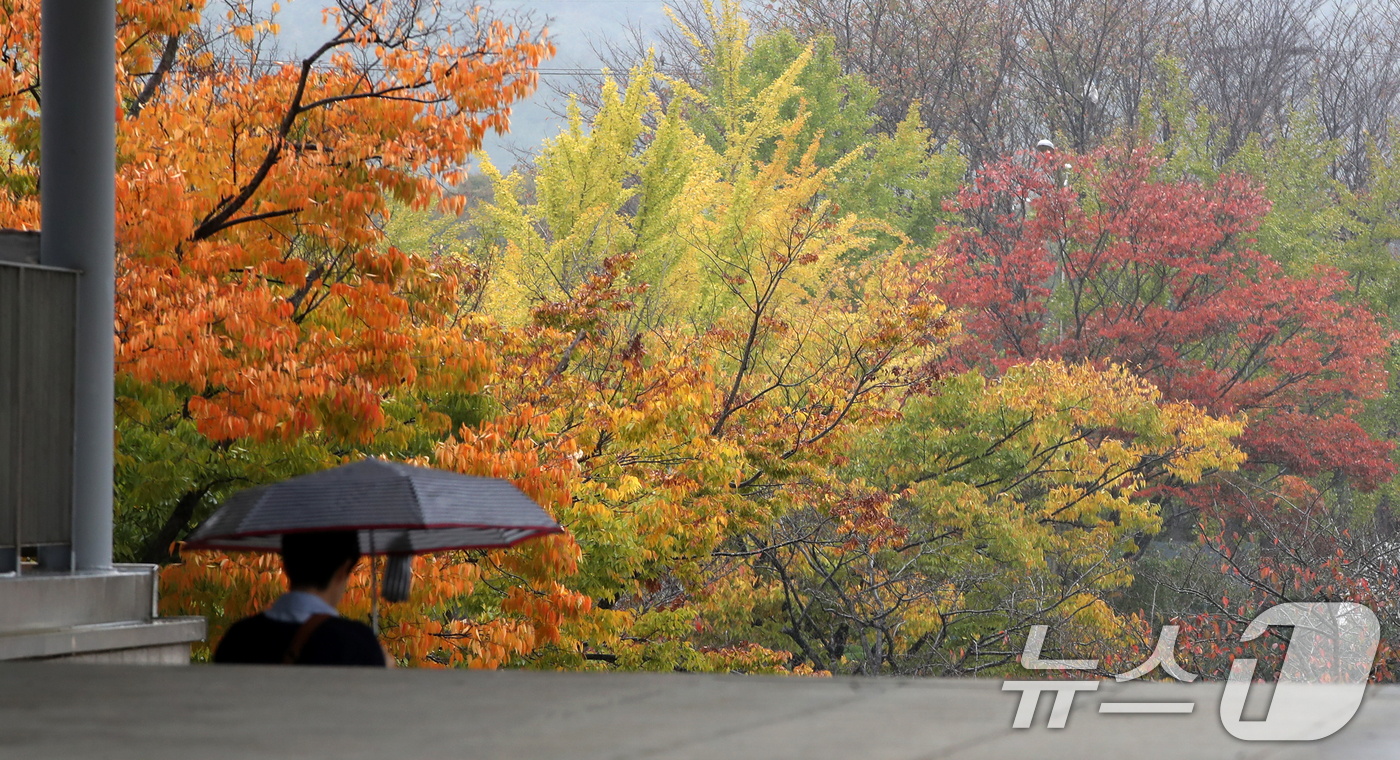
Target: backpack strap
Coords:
[(303, 634)]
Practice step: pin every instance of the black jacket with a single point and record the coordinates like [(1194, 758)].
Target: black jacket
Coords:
[(337, 641)]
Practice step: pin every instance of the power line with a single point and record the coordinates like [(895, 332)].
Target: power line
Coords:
[(600, 71), (544, 71)]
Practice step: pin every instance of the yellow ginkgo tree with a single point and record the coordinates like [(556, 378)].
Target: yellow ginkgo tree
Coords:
[(693, 320)]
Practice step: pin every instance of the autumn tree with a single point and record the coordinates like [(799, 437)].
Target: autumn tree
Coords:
[(708, 329), (718, 339), (275, 249), (902, 167), (1100, 258), (263, 326), (1299, 546), (262, 330), (899, 177), (1299, 543), (984, 507), (684, 325), (1112, 264)]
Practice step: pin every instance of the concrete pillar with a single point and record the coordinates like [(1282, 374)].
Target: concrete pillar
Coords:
[(77, 178)]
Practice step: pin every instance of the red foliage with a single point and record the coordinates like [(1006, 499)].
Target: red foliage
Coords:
[(1112, 264)]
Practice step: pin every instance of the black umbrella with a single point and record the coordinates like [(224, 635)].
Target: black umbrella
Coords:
[(398, 509)]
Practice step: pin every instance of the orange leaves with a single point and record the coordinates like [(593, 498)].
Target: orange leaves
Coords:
[(19, 35), (257, 298), (250, 262), (489, 645), (227, 587), (518, 446), (220, 587), (596, 298), (546, 609), (551, 557)]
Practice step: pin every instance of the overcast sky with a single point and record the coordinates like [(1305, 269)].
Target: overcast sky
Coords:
[(572, 23)]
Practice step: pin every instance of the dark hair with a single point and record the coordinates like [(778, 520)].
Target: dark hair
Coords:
[(311, 559)]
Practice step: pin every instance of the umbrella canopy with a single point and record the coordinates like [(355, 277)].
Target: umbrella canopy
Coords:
[(397, 509)]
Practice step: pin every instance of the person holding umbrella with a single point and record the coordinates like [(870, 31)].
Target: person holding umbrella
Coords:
[(303, 627), (325, 521)]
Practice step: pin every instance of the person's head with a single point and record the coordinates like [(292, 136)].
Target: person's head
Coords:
[(320, 562)]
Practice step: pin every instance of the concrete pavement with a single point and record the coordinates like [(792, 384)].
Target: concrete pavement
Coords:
[(117, 712)]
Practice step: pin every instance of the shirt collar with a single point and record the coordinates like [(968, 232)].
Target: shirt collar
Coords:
[(298, 606)]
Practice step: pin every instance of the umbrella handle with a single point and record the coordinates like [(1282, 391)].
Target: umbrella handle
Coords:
[(396, 580)]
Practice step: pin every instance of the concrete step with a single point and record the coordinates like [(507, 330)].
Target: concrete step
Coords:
[(159, 641), (39, 601), (106, 616)]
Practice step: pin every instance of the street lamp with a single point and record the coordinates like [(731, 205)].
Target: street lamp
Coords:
[(1061, 172)]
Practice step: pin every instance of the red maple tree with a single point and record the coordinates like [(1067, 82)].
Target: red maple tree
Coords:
[(1095, 258), (1098, 258)]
